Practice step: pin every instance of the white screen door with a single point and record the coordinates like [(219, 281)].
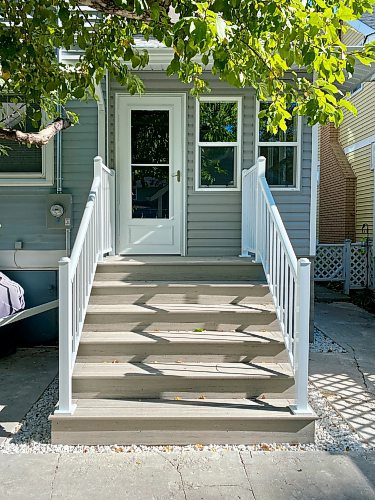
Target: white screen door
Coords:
[(150, 164)]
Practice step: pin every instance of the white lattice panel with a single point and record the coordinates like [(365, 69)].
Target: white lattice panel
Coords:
[(358, 266), (329, 265)]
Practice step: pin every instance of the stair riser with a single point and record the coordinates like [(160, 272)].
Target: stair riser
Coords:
[(182, 292), (181, 432), (169, 321), (180, 298), (124, 353), (156, 387), (165, 272), (177, 327)]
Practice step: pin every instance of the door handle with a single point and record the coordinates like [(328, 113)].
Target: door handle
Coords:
[(178, 175)]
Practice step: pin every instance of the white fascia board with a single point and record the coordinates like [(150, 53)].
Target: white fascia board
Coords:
[(159, 58), (361, 27)]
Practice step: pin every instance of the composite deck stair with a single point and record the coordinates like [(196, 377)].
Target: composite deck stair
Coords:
[(180, 351)]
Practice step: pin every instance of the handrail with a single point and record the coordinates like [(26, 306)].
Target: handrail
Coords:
[(76, 275), (288, 277)]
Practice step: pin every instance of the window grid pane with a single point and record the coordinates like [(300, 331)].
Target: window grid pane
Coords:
[(290, 135), (217, 166), (280, 165), (218, 121)]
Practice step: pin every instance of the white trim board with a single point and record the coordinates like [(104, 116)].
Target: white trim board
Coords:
[(30, 260), (101, 122), (360, 144), (314, 188)]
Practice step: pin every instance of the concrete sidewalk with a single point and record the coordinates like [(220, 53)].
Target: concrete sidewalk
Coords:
[(188, 476), (347, 380)]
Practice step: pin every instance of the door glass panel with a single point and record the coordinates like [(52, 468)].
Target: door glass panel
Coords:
[(149, 136), (150, 192)]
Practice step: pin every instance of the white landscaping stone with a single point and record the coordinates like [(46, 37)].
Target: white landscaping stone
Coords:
[(333, 434)]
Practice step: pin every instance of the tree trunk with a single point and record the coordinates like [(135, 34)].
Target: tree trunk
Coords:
[(36, 138)]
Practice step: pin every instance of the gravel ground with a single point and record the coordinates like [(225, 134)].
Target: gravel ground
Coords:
[(332, 432), (323, 343)]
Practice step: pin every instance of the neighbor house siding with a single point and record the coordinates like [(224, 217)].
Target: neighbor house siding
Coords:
[(353, 130), (352, 38), (214, 219), (23, 209), (360, 161)]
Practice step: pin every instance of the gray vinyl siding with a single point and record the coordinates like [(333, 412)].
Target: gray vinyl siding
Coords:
[(214, 219), (294, 206), (23, 209)]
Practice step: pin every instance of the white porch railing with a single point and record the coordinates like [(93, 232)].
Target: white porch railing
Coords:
[(76, 274), (265, 236)]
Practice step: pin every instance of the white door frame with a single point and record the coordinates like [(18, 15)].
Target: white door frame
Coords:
[(120, 173)]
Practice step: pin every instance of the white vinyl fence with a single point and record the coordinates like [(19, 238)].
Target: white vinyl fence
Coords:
[(350, 263)]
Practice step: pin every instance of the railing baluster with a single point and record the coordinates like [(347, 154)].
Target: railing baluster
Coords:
[(288, 278)]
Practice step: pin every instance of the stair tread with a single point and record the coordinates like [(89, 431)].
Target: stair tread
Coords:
[(172, 260), (169, 409), (180, 308), (178, 283), (203, 370), (181, 337)]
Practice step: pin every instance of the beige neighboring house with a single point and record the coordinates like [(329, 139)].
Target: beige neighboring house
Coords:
[(347, 158)]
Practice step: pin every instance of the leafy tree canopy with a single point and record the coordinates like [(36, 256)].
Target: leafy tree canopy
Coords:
[(273, 46)]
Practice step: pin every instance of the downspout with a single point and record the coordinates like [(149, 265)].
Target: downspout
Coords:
[(101, 122), (107, 117), (59, 178)]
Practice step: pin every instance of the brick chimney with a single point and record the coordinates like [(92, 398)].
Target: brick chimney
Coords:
[(337, 190)]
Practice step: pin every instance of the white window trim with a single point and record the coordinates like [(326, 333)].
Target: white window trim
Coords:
[(43, 178), (297, 144), (238, 144)]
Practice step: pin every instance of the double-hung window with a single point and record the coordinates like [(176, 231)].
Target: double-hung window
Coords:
[(282, 151), (23, 165), (218, 144)]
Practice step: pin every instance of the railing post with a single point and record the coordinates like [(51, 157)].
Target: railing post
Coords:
[(261, 172), (112, 201), (301, 337), (245, 229), (346, 265), (98, 172), (65, 338)]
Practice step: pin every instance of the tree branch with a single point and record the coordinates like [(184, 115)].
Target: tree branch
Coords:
[(37, 138), (110, 7)]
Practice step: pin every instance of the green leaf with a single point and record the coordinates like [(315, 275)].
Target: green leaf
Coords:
[(79, 92), (348, 105), (220, 27), (155, 11)]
